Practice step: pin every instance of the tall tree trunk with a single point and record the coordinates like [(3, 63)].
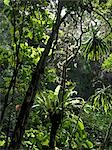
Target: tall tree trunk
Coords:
[(31, 92)]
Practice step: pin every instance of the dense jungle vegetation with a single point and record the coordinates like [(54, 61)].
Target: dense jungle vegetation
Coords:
[(56, 74)]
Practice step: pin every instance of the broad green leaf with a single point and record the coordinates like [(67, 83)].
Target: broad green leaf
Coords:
[(6, 2), (2, 142), (81, 125), (57, 90), (89, 144)]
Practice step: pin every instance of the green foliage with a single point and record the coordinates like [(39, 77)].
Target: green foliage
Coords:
[(107, 64), (35, 139), (24, 32), (96, 48), (73, 135), (72, 126), (102, 99), (6, 2), (49, 100), (96, 124), (2, 139)]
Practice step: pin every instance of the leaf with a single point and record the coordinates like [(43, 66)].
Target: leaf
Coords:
[(46, 142), (57, 90), (28, 142), (30, 35), (73, 102), (89, 144), (81, 125), (6, 2), (32, 135), (95, 48), (69, 93), (85, 146), (2, 143)]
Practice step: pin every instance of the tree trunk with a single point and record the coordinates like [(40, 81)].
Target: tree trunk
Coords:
[(31, 92), (55, 119), (54, 129), (12, 82)]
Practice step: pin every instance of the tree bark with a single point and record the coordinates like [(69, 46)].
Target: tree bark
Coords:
[(53, 132), (31, 92), (55, 119)]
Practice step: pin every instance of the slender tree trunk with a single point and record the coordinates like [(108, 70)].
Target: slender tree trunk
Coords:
[(7, 133), (12, 85), (15, 72), (54, 129), (31, 92), (55, 119)]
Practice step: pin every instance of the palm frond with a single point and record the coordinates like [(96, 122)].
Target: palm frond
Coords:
[(102, 98), (95, 49)]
